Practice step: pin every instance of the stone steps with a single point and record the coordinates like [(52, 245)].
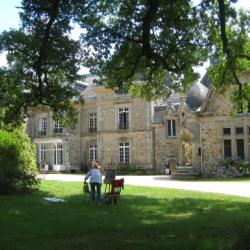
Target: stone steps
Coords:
[(185, 172)]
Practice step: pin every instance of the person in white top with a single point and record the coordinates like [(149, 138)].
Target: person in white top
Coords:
[(95, 180)]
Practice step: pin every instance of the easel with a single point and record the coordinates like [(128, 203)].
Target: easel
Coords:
[(109, 176)]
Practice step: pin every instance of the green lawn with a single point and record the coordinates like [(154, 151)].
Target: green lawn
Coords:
[(146, 218)]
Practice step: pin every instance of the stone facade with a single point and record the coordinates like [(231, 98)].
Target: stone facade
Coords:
[(122, 131)]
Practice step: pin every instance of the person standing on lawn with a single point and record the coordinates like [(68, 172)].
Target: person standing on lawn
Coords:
[(95, 176)]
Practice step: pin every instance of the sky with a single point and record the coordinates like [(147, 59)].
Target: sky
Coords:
[(9, 18)]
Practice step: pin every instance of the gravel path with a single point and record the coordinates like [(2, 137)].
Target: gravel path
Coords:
[(240, 188)]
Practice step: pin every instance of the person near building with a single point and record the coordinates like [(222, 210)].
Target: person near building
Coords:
[(167, 167), (95, 179)]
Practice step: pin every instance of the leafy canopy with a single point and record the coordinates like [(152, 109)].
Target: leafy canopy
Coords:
[(121, 41)]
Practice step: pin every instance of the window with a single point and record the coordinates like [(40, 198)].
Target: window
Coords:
[(226, 131), (171, 128), (240, 149), (42, 151), (124, 152), (42, 126), (239, 131), (58, 129), (92, 152), (199, 151), (123, 118), (58, 154), (92, 123), (227, 149)]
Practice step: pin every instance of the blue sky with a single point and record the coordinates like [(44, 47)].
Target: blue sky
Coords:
[(9, 14)]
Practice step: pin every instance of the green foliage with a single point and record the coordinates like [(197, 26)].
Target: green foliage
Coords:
[(124, 42), (242, 166), (43, 62), (145, 41), (130, 170), (18, 170), (228, 168)]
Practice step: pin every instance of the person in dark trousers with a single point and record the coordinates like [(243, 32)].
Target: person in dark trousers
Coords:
[(95, 180), (167, 167)]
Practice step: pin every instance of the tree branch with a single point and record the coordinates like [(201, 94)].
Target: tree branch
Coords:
[(226, 50), (245, 56), (122, 36), (42, 51), (223, 27)]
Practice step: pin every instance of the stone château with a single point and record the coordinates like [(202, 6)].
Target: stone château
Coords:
[(197, 129)]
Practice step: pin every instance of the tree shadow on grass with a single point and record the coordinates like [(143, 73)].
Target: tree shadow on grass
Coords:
[(142, 220)]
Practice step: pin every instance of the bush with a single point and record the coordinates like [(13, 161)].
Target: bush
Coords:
[(129, 169), (228, 168), (18, 170)]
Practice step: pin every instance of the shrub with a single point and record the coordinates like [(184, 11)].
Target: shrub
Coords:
[(18, 170), (130, 169), (228, 168)]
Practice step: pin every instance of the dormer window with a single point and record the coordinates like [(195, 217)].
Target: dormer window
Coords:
[(176, 106)]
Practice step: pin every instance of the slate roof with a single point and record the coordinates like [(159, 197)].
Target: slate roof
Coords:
[(159, 112), (88, 93), (79, 86), (195, 96), (193, 100)]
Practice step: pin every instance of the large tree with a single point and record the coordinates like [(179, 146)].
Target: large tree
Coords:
[(43, 60), (122, 41), (149, 39)]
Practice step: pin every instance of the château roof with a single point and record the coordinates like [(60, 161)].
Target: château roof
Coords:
[(195, 96), (193, 101)]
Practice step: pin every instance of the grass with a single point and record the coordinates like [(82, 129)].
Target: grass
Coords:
[(146, 218)]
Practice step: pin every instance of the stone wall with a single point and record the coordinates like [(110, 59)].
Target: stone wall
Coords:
[(73, 144), (165, 148), (211, 141), (140, 148), (149, 144), (107, 112)]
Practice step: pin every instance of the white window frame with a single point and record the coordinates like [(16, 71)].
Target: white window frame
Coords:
[(124, 152), (42, 152), (123, 124), (58, 129), (92, 122), (42, 125), (92, 152), (59, 154), (172, 129)]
